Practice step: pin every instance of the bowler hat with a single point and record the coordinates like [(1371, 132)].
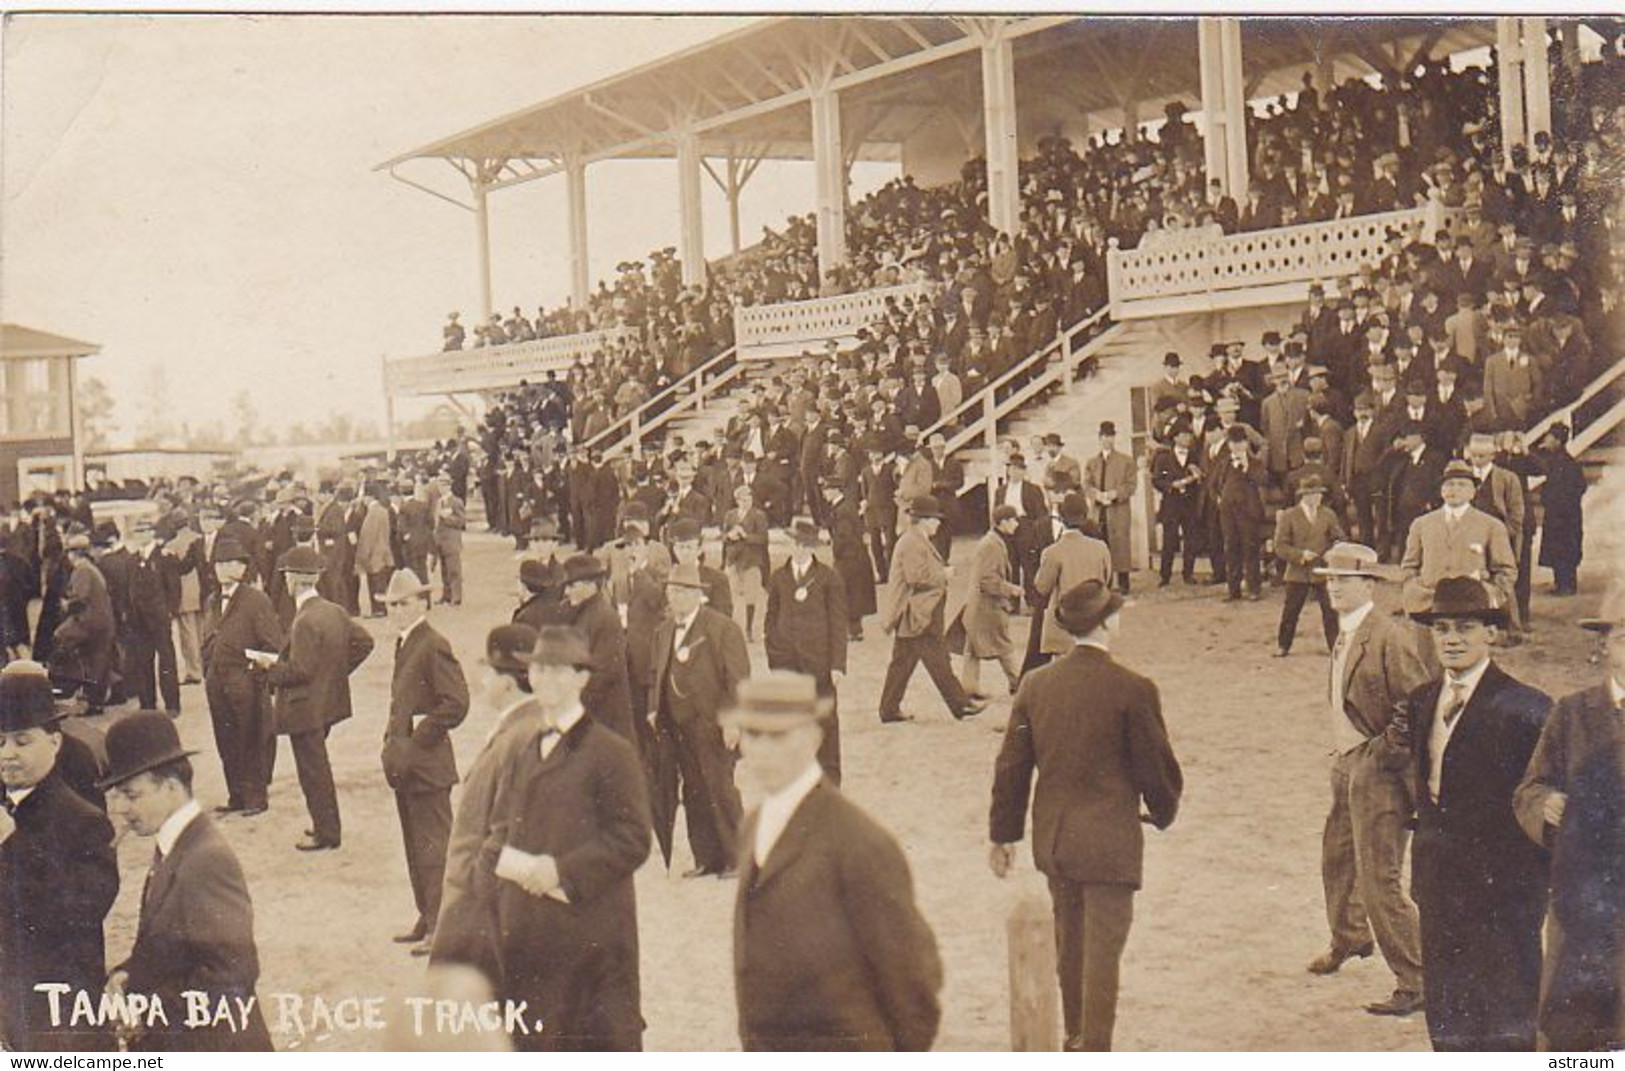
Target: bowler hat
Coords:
[(508, 647), (560, 645), (1457, 469), (138, 743), (1170, 360), (925, 506), (683, 530), (1350, 559), (227, 549), (777, 702), (1458, 597), (26, 701), (302, 561), (579, 567), (1107, 427), (1084, 607), (685, 575)]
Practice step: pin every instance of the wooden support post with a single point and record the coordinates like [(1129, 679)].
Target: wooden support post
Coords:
[(1034, 994), (990, 437), (637, 430)]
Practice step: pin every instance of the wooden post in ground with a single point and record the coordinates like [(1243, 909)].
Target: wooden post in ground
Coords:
[(1034, 994)]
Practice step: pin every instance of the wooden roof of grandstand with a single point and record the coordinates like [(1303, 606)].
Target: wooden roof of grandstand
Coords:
[(27, 343), (737, 92)]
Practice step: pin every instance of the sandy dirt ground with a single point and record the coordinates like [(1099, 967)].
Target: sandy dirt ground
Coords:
[(1230, 913)]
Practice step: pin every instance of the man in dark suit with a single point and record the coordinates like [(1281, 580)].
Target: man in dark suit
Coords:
[(878, 479), (1480, 884), (552, 825), (830, 951), (1176, 473), (428, 698), (154, 593), (312, 681), (1095, 729), (1027, 499), (699, 659), (806, 629), (1569, 802), (1303, 534), (244, 730), (196, 932), (1237, 486), (58, 874), (608, 694)]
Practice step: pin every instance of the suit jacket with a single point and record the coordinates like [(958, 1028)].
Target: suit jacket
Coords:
[(1238, 492), (1065, 564), (1387, 660), (246, 622), (701, 678), (1093, 731), (1177, 502), (879, 497), (916, 588), (373, 552), (312, 678), (992, 595), (586, 806), (806, 625), (1501, 495), (1282, 420), (1470, 855), (58, 880), (155, 592), (830, 951), (1117, 474), (428, 698), (1478, 546), (197, 933), (1296, 534), (608, 694)]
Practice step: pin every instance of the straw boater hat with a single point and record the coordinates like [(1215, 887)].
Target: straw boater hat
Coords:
[(777, 702), (1351, 559), (1458, 597)]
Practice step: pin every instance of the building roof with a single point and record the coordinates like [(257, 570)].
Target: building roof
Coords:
[(19, 343), (737, 93)]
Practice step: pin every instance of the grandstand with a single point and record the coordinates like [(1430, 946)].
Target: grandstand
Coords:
[(1118, 139)]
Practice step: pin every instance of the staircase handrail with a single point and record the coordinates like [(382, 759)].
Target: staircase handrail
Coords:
[(1584, 439), (642, 418)]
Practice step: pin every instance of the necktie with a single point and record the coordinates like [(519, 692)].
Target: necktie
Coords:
[(1338, 647), (1458, 701), (9, 804)]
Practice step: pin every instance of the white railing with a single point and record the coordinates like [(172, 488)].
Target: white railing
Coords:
[(768, 330), (1298, 254), (493, 367)]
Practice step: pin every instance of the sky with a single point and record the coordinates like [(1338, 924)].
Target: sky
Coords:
[(196, 193)]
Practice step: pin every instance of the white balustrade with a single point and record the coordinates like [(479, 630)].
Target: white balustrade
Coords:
[(494, 367), (1298, 254), (771, 330)]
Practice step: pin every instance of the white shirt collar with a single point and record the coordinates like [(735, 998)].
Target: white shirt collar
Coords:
[(17, 795), (176, 824), (409, 629), (568, 719), (777, 809), (686, 623), (1470, 679), (1090, 641), (1347, 623), (304, 597), (1456, 513)]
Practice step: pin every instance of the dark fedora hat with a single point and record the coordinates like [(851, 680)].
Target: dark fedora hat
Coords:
[(139, 743), (1084, 607), (26, 701), (227, 549), (302, 561), (1074, 509), (560, 645), (1458, 597), (579, 567), (806, 532), (508, 647), (925, 506), (538, 575), (777, 702)]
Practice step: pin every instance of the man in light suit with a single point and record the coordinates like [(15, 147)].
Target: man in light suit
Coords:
[(830, 951), (1480, 884), (451, 520), (1066, 563), (699, 658), (312, 681), (1376, 662), (1282, 418), (1095, 730), (1457, 540), (196, 931), (244, 730), (428, 698), (1109, 480), (914, 613)]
